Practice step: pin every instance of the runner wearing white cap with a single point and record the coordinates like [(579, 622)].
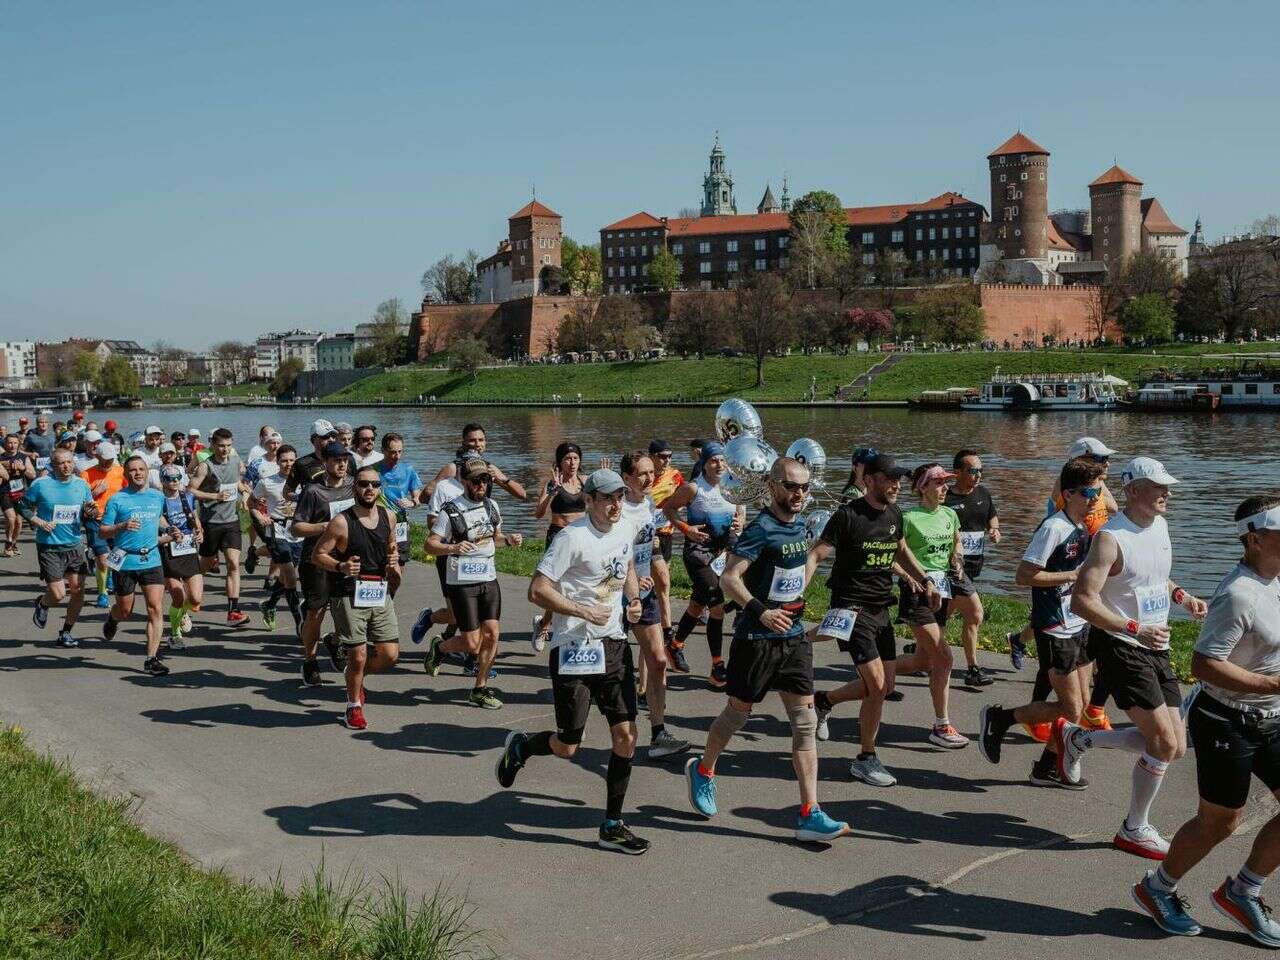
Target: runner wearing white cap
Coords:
[(1124, 592)]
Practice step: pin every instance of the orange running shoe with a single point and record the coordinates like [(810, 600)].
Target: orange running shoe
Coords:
[(1095, 718), (1039, 732)]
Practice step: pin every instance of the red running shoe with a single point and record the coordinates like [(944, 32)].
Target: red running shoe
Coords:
[(354, 719)]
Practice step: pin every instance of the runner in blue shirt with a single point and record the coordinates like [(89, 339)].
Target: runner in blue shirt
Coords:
[(55, 505), (765, 575), (132, 522), (401, 489)]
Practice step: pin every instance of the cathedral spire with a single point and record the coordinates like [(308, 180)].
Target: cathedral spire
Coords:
[(717, 185)]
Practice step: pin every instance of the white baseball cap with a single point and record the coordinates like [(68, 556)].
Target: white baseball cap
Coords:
[(91, 436), (1089, 446), (108, 451), (153, 429), (322, 428), (1147, 468), (193, 432), (168, 447)]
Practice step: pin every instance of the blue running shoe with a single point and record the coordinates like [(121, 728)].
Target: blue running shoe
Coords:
[(1253, 915), (1167, 909), (471, 664), (104, 601), (817, 826), (421, 626), (702, 790), (1017, 650), (40, 615)]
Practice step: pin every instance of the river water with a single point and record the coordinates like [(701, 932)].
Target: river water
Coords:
[(1220, 458)]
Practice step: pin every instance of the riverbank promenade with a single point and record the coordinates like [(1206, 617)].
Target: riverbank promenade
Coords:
[(230, 757)]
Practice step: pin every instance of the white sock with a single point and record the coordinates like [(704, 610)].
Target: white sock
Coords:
[(1148, 774), (941, 721), (1246, 883), (1130, 739), (350, 705)]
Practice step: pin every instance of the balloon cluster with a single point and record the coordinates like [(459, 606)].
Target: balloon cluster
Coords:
[(749, 458)]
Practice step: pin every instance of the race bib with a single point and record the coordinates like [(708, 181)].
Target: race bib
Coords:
[(940, 580), (717, 565), (42, 463), (65, 513), (281, 530), (184, 549), (337, 506), (115, 559), (370, 593), (787, 585), (17, 484), (581, 658), (838, 623), (1153, 604), (973, 544), (644, 557), (464, 570), (402, 531), (231, 488)]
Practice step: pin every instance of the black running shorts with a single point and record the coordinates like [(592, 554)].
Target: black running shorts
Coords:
[(1136, 676), (129, 580), (1232, 746), (474, 603), (1064, 654), (757, 666), (613, 691), (219, 537)]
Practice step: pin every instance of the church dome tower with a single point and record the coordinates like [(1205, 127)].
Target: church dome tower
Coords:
[(717, 185)]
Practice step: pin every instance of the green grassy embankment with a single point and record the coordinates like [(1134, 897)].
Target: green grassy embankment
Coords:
[(1003, 614), (786, 378), (191, 393), (79, 878), (712, 379)]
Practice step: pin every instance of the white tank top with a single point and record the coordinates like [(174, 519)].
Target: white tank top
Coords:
[(1140, 591)]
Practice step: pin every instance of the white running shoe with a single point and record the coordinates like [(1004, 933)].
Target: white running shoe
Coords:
[(185, 625), (945, 735), (872, 771), (1143, 841), (824, 732), (538, 637), (1066, 736)]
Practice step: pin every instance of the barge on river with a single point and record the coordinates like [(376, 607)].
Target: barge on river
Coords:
[(1044, 392), (1238, 383)]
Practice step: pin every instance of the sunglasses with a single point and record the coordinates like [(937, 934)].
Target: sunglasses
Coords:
[(375, 484), (170, 477), (1089, 493), (792, 487), (973, 471)]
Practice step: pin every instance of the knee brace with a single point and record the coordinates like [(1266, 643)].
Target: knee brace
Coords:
[(804, 728), (730, 721)]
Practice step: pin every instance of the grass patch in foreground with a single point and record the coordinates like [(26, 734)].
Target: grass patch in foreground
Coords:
[(79, 878), (1003, 614)]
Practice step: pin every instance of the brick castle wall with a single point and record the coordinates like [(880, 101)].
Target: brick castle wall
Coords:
[(1014, 312)]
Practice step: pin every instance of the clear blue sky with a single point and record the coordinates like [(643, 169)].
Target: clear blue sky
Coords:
[(203, 171)]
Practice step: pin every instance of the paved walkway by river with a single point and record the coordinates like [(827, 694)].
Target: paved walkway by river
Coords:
[(232, 758)]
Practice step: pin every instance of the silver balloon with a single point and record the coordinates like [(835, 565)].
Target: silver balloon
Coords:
[(736, 418), (809, 452), (743, 494), (814, 521), (749, 459)]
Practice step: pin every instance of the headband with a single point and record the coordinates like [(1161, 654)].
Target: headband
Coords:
[(1266, 520)]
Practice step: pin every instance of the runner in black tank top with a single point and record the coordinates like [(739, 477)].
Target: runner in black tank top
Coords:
[(358, 551)]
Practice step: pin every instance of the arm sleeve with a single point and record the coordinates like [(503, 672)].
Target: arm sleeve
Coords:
[(835, 528), (1230, 616), (558, 559), (751, 542), (442, 528), (1046, 539)]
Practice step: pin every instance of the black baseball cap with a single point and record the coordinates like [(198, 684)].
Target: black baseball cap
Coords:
[(334, 449), (885, 464), (658, 446)]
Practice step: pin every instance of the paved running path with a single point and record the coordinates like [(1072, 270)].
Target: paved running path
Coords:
[(230, 757)]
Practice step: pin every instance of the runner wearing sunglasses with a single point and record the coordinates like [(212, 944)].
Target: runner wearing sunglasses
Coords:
[(1049, 568)]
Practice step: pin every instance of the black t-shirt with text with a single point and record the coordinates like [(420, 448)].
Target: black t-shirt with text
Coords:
[(976, 509), (866, 542)]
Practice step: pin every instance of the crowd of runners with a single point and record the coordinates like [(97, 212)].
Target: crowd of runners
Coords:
[(329, 522)]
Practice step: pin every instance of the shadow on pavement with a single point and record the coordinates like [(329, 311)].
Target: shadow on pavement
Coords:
[(931, 911)]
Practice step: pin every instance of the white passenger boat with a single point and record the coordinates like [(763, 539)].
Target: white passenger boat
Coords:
[(1241, 382), (1046, 392)]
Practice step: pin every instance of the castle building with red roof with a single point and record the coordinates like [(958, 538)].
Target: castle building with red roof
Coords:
[(517, 268), (720, 245), (1069, 246)]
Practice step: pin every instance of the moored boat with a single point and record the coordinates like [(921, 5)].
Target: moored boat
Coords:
[(1043, 392)]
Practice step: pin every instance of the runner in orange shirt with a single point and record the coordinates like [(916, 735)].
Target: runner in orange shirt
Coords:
[(666, 479), (105, 478)]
